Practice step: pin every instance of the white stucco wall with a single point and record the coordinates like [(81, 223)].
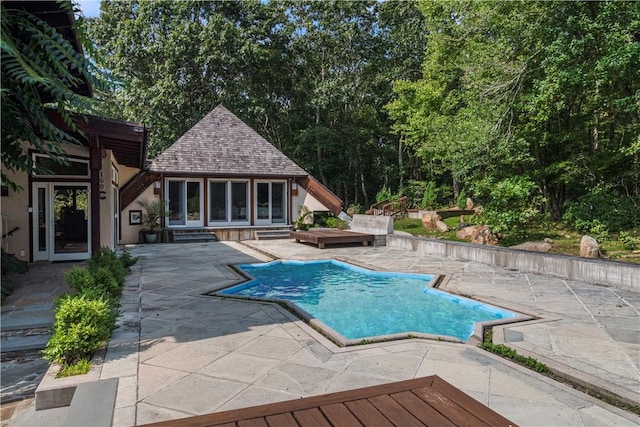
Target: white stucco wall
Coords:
[(130, 233), (305, 199)]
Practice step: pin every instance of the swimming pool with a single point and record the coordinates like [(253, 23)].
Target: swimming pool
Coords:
[(359, 303)]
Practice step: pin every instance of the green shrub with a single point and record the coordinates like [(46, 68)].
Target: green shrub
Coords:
[(94, 281), (629, 242), (81, 367), (383, 194), (461, 201), (108, 259), (354, 209), (430, 196), (512, 205), (81, 326), (79, 278), (127, 260), (604, 205), (334, 222)]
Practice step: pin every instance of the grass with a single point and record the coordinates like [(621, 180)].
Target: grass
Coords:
[(81, 367), (565, 239)]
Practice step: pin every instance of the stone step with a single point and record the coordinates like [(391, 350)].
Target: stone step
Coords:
[(27, 319), (272, 234), (194, 236), (25, 342)]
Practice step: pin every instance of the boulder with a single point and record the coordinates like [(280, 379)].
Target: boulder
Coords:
[(465, 233), (534, 246), (589, 247), (430, 219), (442, 227), (470, 205), (482, 235)]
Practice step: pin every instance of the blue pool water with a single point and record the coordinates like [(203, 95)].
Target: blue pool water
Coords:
[(359, 303)]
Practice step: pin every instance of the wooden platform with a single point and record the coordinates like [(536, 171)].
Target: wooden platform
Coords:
[(324, 237), (428, 401)]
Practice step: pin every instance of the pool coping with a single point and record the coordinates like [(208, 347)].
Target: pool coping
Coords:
[(477, 336)]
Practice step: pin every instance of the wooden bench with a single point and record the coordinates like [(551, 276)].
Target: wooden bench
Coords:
[(323, 237), (424, 401)]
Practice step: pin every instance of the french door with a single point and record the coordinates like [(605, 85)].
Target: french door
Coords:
[(270, 203), (61, 221), (184, 202)]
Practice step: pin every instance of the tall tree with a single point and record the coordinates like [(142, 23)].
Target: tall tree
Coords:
[(40, 70)]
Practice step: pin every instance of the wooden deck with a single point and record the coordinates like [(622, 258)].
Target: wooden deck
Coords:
[(323, 237), (428, 401)]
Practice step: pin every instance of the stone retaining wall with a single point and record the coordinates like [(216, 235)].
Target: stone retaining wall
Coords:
[(616, 274)]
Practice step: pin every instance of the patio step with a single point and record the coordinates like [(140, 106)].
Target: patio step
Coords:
[(272, 234), (190, 236)]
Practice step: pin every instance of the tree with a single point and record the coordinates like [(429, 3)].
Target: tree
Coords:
[(41, 70), (544, 90)]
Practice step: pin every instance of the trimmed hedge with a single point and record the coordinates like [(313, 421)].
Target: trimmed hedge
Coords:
[(84, 321)]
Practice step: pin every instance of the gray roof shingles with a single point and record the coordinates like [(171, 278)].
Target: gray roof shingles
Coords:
[(223, 145)]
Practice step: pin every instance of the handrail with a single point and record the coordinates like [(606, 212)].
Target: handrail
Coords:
[(387, 207), (10, 232)]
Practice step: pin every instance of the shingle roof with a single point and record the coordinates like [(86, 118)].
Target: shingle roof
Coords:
[(223, 145)]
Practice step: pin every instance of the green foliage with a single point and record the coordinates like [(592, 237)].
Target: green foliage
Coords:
[(40, 70), (80, 367), (79, 278), (10, 264), (301, 223), (109, 260), (512, 354), (154, 211), (127, 260), (354, 209), (461, 201), (511, 205), (333, 222), (603, 205), (629, 242), (383, 194), (81, 326)]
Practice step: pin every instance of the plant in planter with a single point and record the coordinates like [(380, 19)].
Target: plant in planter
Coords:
[(154, 211)]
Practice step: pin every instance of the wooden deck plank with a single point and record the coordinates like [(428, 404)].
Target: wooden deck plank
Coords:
[(282, 420), (255, 422), (421, 410), (430, 400), (470, 404), (367, 413), (339, 414), (311, 418), (396, 413), (449, 408)]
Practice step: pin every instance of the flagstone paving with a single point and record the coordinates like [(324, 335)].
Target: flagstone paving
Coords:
[(180, 353)]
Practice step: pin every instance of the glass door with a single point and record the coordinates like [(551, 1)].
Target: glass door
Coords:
[(270, 203), (184, 201), (61, 222)]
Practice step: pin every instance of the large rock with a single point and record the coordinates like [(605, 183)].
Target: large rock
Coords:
[(430, 219), (465, 233), (534, 246), (589, 247), (483, 236), (442, 227)]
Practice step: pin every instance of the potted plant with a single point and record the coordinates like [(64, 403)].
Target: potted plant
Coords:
[(154, 211)]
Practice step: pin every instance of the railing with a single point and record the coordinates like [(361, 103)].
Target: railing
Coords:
[(389, 208)]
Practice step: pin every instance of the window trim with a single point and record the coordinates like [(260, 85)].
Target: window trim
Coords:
[(228, 203)]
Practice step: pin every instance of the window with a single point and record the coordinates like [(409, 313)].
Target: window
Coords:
[(46, 166)]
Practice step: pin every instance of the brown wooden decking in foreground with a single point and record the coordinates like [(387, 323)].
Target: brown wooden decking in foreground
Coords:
[(323, 237), (428, 401)]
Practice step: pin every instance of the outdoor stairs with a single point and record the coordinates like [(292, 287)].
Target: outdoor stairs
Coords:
[(273, 234), (26, 330), (193, 236)]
